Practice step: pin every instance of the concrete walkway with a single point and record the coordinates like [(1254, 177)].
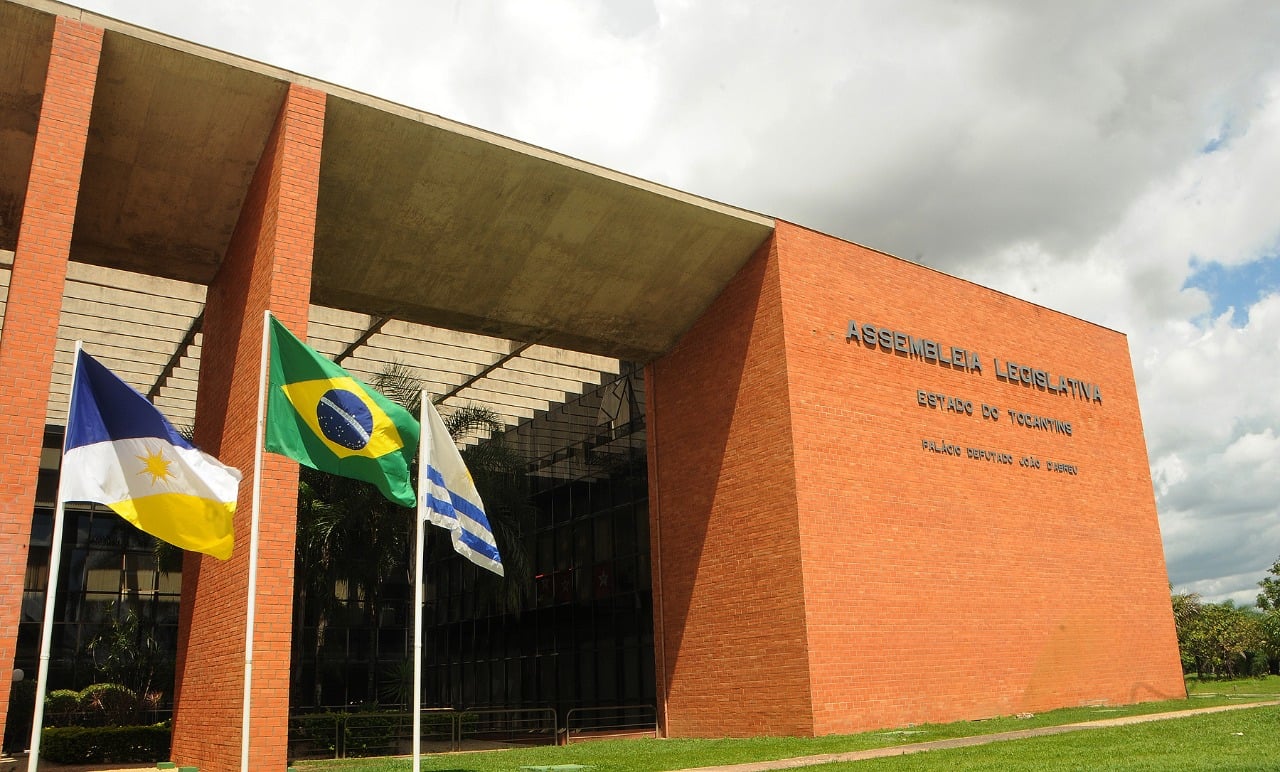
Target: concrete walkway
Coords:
[(965, 742)]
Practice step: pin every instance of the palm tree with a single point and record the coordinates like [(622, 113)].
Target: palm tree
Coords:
[(353, 544), (498, 472)]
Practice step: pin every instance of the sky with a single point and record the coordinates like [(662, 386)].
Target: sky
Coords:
[(1119, 162)]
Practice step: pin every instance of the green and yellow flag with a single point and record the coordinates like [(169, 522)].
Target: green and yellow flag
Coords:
[(321, 416)]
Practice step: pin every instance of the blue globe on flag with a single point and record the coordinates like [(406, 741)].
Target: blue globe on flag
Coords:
[(345, 419)]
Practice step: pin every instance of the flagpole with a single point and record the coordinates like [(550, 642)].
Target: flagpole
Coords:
[(424, 460), (51, 591), (253, 542)]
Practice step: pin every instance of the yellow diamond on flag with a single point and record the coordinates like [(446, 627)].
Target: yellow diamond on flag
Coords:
[(342, 415), (320, 415)]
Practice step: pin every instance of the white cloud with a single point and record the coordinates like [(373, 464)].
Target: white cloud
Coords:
[(1207, 387)]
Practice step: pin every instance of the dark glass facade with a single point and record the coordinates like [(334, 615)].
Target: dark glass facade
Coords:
[(580, 631), (116, 611), (109, 572), (583, 636), (575, 629)]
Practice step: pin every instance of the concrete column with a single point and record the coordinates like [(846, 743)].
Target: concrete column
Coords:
[(267, 266), (35, 300)]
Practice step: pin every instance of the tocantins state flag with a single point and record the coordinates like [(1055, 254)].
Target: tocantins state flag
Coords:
[(321, 416)]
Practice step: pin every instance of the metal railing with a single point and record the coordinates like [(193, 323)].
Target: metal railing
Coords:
[(525, 726), (338, 733), (619, 721)]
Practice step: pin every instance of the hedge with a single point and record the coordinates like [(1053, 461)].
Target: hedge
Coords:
[(80, 744)]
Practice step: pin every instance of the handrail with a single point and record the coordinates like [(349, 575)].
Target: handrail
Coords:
[(345, 733), (605, 721)]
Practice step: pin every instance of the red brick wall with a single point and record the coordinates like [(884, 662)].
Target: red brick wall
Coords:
[(935, 587), (35, 300), (729, 616), (940, 588), (268, 265)]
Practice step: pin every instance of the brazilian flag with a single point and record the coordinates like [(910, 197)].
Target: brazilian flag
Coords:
[(321, 416)]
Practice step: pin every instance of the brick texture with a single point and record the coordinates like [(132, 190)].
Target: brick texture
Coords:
[(934, 587), (267, 266), (730, 633), (35, 300)]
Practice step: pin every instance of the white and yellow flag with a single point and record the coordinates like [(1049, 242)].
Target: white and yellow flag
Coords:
[(120, 451)]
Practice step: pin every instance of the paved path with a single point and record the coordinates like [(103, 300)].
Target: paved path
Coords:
[(965, 742)]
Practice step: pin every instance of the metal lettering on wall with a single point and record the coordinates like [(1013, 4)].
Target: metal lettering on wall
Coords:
[(969, 361), (965, 360), (959, 406)]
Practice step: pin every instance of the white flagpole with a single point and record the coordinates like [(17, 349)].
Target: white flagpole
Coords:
[(253, 543), (51, 592), (424, 460)]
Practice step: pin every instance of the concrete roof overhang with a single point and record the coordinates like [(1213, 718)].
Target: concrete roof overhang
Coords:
[(498, 272), (419, 218)]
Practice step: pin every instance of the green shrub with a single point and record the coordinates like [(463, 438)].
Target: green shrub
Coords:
[(61, 708), (372, 733), (1259, 666), (22, 703), (111, 704), (314, 732), (84, 744)]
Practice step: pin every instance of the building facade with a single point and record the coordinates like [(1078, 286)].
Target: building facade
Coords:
[(874, 494), (576, 632)]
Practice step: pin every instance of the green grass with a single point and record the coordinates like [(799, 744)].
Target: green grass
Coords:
[(1246, 686), (1237, 740), (656, 755)]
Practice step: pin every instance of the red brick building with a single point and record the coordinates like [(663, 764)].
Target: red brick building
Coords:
[(911, 499), (878, 494)]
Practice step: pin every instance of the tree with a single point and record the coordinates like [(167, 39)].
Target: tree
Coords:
[(351, 548), (1269, 602), (1216, 639), (1186, 615), (354, 545), (128, 653), (1269, 625), (1269, 598)]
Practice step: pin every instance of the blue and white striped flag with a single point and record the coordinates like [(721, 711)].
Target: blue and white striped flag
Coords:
[(447, 495), (122, 452)]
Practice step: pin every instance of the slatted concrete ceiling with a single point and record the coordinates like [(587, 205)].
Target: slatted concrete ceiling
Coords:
[(146, 329), (133, 324), (515, 380)]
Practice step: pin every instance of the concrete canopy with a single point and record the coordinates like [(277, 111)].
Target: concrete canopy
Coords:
[(431, 221), (420, 218), (497, 272)]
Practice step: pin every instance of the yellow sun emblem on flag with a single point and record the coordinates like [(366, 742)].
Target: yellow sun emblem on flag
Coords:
[(156, 465)]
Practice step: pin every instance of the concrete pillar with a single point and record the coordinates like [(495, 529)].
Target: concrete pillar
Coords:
[(267, 266), (35, 300)]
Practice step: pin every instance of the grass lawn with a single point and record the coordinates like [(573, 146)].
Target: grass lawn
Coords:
[(1177, 737), (1269, 685), (1237, 740)]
